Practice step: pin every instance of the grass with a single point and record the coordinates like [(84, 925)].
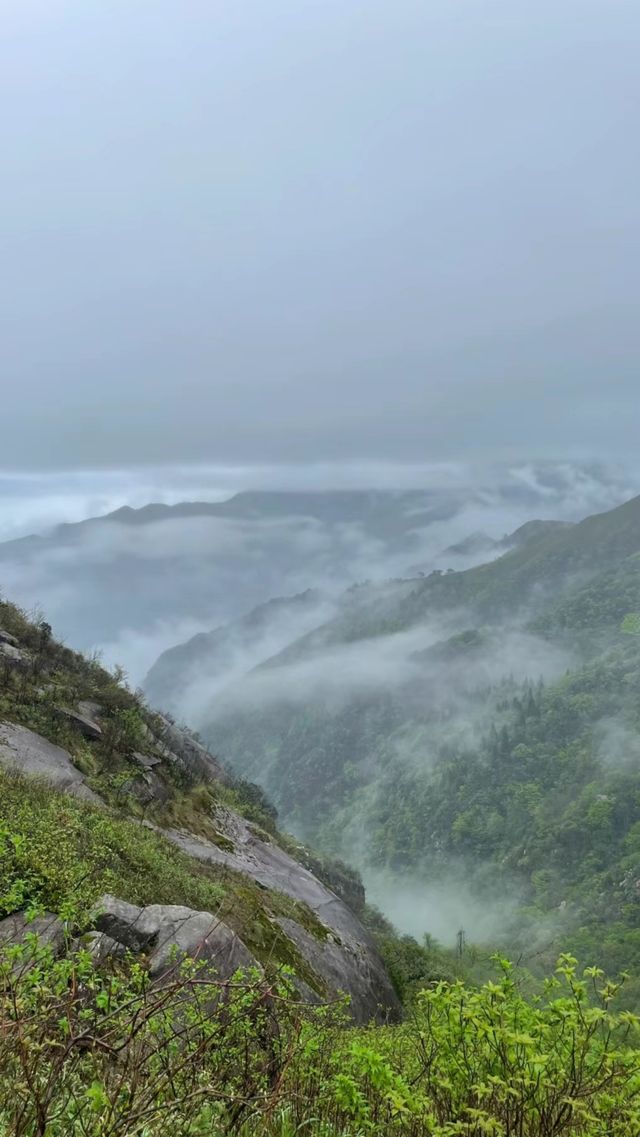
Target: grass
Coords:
[(58, 853)]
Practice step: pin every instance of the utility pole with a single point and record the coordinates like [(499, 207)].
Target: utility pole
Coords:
[(461, 940)]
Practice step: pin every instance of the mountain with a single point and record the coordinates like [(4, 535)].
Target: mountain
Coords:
[(172, 961), (232, 649), (139, 581), (100, 793), (471, 740)]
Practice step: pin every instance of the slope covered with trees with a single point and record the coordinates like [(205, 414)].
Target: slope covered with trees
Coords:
[(105, 1031), (503, 756)]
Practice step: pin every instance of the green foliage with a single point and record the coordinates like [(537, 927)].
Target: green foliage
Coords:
[(62, 854), (56, 851), (518, 789), (104, 1052)]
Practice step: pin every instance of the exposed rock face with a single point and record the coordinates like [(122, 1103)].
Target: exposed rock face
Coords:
[(48, 928), (181, 748), (167, 929), (102, 947), (90, 708), (349, 960), (13, 656), (32, 754), (7, 638), (147, 761), (346, 965), (86, 726), (345, 960)]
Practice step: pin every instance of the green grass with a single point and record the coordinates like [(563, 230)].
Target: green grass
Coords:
[(62, 854)]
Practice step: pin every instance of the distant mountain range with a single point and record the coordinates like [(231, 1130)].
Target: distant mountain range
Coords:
[(474, 732), (137, 581)]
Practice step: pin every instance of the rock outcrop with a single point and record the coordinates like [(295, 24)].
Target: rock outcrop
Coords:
[(48, 928), (347, 959), (30, 753), (338, 950), (168, 932), (185, 751), (85, 726), (13, 656)]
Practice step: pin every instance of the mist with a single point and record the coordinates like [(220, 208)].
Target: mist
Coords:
[(419, 906), (391, 663), (306, 311), (290, 233), (132, 591)]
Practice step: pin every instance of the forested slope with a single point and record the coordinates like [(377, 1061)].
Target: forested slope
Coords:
[(505, 752)]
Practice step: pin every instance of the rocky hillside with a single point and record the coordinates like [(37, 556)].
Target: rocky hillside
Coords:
[(111, 807)]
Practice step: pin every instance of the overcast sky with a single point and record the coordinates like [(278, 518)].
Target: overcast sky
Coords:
[(285, 230)]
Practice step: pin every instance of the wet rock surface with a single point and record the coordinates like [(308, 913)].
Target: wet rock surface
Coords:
[(32, 754), (169, 932), (351, 963)]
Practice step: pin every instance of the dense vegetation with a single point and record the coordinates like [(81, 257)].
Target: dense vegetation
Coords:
[(473, 769), (63, 853), (516, 785), (102, 1052)]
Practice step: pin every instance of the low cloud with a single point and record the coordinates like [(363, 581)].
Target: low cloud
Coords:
[(122, 587), (442, 908), (391, 663)]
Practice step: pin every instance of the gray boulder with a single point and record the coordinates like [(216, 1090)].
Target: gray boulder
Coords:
[(48, 928), (89, 729), (7, 638), (179, 747), (101, 947), (169, 932), (120, 920), (14, 657), (90, 708), (32, 754), (147, 761)]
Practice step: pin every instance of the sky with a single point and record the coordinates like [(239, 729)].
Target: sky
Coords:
[(292, 231)]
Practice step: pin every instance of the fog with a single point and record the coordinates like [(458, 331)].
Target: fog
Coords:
[(35, 501), (371, 267), (185, 602), (265, 232), (390, 663), (133, 590), (444, 907)]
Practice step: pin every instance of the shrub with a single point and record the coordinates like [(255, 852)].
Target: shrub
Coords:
[(107, 1053)]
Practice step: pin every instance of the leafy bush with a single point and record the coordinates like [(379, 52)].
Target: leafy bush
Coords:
[(107, 1053)]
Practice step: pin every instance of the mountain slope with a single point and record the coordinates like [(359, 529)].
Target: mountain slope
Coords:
[(138, 581), (154, 815), (470, 730), (230, 649)]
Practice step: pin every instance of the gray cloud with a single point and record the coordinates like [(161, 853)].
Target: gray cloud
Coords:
[(336, 676), (272, 232), (135, 590), (33, 501)]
